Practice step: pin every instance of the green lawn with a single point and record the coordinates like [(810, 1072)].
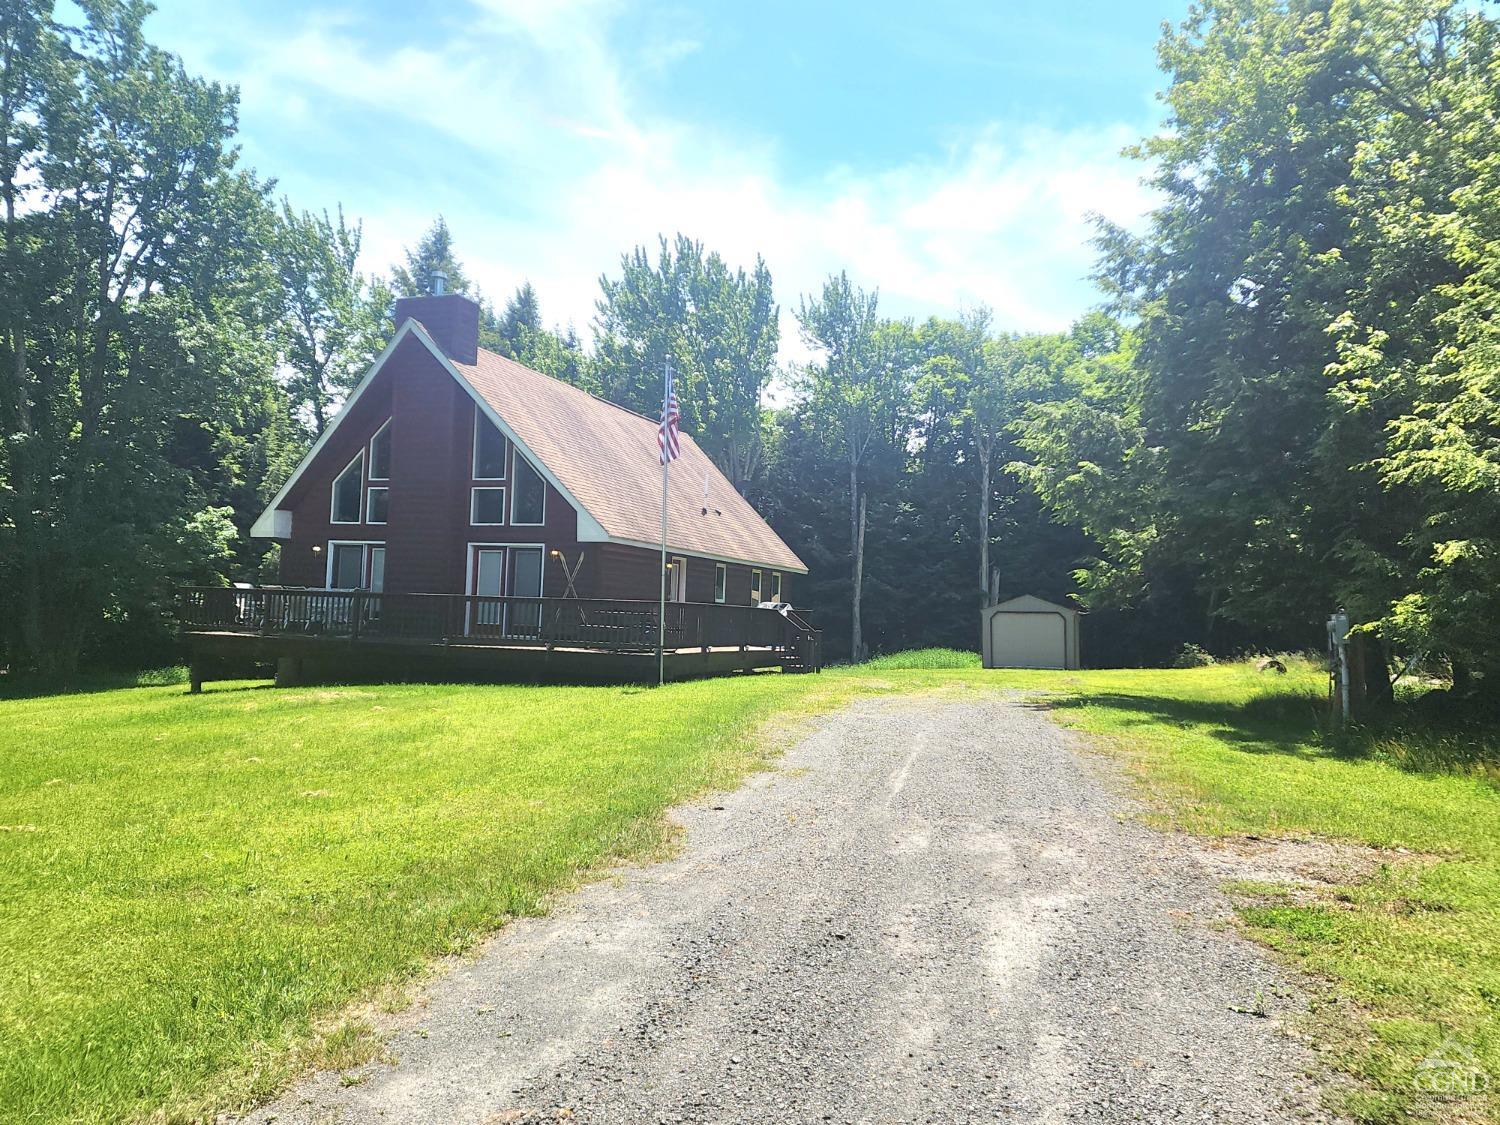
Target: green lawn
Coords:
[(197, 892), (187, 883)]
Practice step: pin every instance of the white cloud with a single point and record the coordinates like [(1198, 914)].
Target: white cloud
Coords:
[(524, 130)]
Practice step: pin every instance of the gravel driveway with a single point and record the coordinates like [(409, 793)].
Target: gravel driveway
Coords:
[(934, 911)]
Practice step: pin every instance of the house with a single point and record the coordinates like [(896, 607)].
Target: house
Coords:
[(461, 501), (455, 470)]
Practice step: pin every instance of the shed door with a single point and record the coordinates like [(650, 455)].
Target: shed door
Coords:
[(1028, 640)]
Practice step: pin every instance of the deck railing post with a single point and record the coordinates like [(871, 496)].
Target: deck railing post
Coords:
[(356, 611)]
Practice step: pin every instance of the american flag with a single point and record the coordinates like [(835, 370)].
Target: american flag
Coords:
[(668, 444)]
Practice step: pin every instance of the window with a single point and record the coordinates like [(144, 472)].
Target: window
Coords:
[(775, 585), (377, 504), (489, 449), (755, 578), (347, 490), (346, 566), (721, 580), (487, 506), (528, 500), (377, 570), (380, 454)]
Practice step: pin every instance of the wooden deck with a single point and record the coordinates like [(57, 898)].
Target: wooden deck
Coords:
[(318, 636)]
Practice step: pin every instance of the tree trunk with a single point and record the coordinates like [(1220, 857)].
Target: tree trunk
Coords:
[(857, 644), (1378, 690), (984, 527)]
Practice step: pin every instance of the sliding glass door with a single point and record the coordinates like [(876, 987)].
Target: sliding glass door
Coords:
[(497, 569), (525, 582)]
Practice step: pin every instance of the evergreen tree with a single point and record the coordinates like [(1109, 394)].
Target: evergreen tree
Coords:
[(522, 315), (432, 255)]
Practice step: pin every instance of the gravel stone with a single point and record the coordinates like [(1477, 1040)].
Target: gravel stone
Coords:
[(935, 911)]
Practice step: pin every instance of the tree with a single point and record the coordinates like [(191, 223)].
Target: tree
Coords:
[(1419, 349), (433, 254), (143, 311), (720, 328), (335, 322), (522, 315), (858, 393), (558, 354)]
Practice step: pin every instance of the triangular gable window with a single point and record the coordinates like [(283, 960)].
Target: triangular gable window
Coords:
[(348, 492)]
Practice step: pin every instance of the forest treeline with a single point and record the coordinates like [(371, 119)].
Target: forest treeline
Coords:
[(1288, 398)]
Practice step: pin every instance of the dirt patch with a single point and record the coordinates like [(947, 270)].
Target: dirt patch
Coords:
[(1296, 862)]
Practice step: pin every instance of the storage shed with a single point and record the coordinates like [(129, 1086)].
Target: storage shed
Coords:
[(1028, 632)]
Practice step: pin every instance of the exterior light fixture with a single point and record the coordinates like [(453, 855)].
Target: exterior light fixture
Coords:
[(317, 549)]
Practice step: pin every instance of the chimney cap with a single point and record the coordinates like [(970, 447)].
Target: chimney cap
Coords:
[(439, 283)]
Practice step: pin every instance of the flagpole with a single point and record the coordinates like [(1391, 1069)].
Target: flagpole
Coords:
[(661, 613)]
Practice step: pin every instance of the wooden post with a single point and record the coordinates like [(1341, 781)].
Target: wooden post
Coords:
[(288, 671), (195, 676)]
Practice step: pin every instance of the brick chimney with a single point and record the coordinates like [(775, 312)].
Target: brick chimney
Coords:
[(451, 319)]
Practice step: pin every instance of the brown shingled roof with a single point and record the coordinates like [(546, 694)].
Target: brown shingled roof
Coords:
[(605, 457)]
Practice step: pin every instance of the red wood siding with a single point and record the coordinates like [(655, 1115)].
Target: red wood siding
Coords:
[(634, 572)]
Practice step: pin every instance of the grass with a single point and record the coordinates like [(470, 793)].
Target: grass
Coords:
[(197, 894), (923, 659), (192, 889), (1411, 956)]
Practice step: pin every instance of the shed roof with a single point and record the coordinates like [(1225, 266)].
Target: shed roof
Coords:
[(1030, 603)]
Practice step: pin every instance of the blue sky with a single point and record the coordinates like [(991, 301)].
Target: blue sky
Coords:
[(947, 153)]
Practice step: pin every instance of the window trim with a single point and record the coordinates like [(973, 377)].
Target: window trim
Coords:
[(721, 583), (776, 586), (369, 492), (474, 520), (373, 438), (512, 498), (757, 585), (474, 451), (364, 562), (333, 492)]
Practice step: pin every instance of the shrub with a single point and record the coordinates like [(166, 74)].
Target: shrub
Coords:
[(1193, 656), (924, 658)]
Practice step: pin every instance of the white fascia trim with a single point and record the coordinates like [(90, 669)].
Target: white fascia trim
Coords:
[(589, 528), (759, 564), (274, 524)]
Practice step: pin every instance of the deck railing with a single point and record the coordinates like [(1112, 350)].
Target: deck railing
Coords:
[(451, 619)]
